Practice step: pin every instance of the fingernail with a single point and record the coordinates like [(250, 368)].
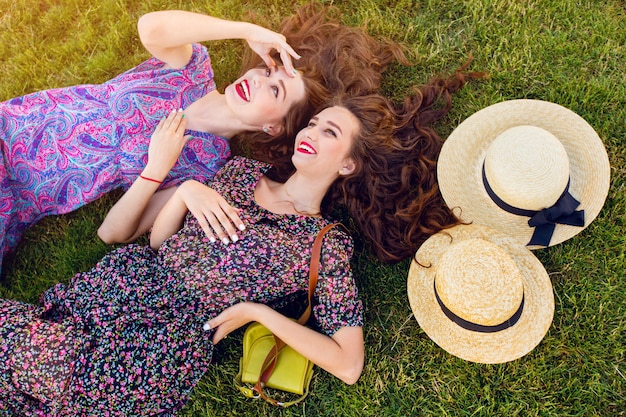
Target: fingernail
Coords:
[(225, 241), (180, 110), (242, 227), (234, 238), (206, 326), (212, 239), (295, 72)]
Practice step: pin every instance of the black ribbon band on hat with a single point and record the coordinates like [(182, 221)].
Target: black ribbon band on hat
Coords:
[(544, 221), (475, 327)]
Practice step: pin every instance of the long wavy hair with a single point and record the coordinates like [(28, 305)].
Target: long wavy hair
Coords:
[(393, 194), (336, 60)]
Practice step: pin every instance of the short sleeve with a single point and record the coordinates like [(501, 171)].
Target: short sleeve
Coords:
[(337, 302), (200, 64)]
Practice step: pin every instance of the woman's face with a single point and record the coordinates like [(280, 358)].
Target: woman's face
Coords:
[(263, 96), (325, 144)]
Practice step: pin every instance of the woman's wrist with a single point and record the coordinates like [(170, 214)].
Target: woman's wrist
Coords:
[(152, 175)]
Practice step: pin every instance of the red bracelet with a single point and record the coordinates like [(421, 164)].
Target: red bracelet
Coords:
[(150, 179)]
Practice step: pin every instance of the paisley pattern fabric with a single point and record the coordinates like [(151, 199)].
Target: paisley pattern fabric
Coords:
[(141, 313), (65, 147)]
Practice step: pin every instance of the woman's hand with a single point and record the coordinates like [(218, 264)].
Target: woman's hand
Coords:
[(214, 214), (166, 144), (263, 41), (137, 209), (231, 319)]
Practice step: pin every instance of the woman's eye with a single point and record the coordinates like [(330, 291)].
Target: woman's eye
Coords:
[(268, 71), (331, 133), (275, 91), (311, 124)]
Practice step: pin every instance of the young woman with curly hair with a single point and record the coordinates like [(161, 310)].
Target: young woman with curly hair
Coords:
[(63, 148)]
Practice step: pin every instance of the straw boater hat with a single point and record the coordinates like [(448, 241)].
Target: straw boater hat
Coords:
[(530, 168), (480, 295)]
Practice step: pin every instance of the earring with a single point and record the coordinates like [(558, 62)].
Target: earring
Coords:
[(265, 130)]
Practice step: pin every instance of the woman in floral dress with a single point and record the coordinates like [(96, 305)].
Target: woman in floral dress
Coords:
[(138, 316), (130, 336)]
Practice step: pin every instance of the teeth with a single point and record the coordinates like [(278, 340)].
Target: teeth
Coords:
[(307, 148), (246, 89)]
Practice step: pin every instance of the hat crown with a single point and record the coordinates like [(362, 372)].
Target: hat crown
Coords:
[(479, 282), (527, 167)]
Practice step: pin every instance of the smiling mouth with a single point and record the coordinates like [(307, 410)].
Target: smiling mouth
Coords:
[(306, 148), (243, 90)]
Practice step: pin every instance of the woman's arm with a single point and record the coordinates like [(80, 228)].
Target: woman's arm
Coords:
[(168, 36), (136, 210), (343, 354)]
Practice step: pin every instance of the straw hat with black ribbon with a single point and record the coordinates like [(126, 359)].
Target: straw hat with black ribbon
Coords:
[(480, 295), (533, 169)]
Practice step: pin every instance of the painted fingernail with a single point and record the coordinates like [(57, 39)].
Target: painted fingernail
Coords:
[(234, 238), (206, 326), (242, 227), (212, 239), (295, 72), (225, 240)]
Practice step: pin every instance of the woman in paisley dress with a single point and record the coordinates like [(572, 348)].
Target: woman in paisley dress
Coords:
[(134, 335), (65, 147)]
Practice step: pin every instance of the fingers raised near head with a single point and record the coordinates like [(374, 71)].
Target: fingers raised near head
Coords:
[(286, 54)]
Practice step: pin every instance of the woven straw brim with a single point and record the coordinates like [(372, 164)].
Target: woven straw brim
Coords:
[(459, 168), (498, 347)]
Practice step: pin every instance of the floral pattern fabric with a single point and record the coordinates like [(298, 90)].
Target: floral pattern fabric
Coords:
[(43, 360), (142, 312), (65, 147)]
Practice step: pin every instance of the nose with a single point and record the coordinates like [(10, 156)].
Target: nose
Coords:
[(256, 80), (311, 132)]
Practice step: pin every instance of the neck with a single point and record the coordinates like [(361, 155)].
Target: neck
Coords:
[(210, 114), (298, 195), (303, 195)]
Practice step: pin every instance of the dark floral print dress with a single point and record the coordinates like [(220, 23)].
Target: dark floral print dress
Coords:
[(138, 315)]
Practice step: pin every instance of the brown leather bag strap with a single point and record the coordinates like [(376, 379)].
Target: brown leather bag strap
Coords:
[(270, 361), (314, 269)]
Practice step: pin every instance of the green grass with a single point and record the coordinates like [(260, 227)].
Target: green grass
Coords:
[(566, 51)]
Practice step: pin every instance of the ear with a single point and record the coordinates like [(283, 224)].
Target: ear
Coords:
[(348, 167), (273, 130)]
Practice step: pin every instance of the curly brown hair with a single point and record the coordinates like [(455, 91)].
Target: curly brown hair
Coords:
[(336, 60), (393, 194)]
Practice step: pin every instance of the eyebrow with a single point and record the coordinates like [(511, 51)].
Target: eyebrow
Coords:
[(333, 124), (282, 84)]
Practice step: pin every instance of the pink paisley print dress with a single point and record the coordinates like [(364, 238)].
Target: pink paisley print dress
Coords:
[(66, 147), (137, 316)]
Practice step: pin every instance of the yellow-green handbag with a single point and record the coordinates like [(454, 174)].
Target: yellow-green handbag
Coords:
[(292, 371), (268, 362)]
